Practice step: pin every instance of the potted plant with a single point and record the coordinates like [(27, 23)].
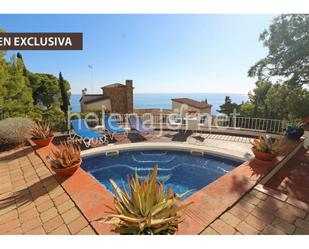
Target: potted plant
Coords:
[(294, 130), (41, 134), (66, 159), (266, 149), (144, 208)]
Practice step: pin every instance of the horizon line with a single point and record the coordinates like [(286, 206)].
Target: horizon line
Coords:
[(175, 93)]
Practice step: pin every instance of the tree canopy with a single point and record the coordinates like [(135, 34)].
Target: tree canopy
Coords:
[(15, 93), (228, 107), (46, 89), (283, 75), (24, 93), (287, 40)]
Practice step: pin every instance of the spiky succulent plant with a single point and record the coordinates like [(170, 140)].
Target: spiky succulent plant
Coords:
[(145, 208), (65, 156), (265, 145), (40, 130)]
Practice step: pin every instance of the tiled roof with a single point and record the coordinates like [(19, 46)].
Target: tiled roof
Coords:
[(192, 102), (115, 85), (90, 98)]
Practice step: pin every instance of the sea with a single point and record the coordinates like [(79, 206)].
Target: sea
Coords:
[(163, 100)]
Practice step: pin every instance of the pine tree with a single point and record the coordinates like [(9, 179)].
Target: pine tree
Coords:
[(4, 74), (20, 57), (64, 94), (228, 107), (18, 95), (205, 101)]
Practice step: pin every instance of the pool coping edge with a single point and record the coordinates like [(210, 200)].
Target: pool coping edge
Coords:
[(93, 199)]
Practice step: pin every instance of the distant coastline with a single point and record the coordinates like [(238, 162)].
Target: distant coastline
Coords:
[(163, 100)]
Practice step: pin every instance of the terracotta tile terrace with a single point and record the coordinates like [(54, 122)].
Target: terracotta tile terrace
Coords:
[(280, 207), (33, 200)]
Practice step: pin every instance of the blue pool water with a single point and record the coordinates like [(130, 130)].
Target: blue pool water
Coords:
[(179, 169)]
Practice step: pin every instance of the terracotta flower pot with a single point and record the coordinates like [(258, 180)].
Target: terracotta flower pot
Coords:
[(43, 142), (67, 171), (262, 155)]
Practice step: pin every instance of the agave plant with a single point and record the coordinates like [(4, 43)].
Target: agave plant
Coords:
[(265, 145), (145, 208), (40, 130), (66, 156)]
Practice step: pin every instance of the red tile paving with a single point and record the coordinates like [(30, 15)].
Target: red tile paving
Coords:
[(247, 218), (72, 205), (31, 198), (216, 197), (293, 179), (281, 206), (223, 193)]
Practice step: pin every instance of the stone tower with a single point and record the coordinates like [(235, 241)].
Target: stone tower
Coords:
[(121, 96), (129, 86)]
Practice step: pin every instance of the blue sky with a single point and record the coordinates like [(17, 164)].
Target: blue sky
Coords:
[(161, 53)]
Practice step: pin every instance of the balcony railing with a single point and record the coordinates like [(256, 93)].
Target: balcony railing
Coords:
[(275, 126), (215, 123)]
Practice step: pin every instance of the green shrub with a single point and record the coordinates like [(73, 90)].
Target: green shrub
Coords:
[(14, 131), (295, 123), (56, 118)]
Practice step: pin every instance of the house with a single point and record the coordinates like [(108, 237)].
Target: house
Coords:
[(191, 106), (116, 98), (153, 111)]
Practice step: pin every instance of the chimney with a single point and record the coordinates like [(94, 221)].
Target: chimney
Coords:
[(129, 83), (129, 90), (84, 91)]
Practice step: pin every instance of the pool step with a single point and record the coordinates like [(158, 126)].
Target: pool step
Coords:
[(197, 153), (152, 158), (112, 153), (154, 154)]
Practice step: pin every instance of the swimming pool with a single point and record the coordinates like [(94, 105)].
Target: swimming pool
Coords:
[(182, 170)]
